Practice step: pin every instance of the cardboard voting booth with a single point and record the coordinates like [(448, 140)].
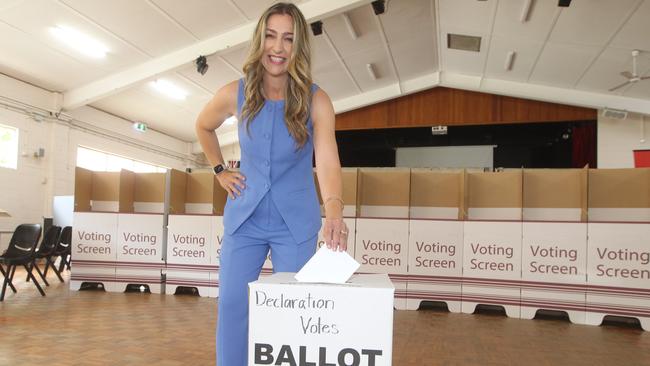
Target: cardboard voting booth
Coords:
[(492, 241), (99, 199), (293, 323), (381, 243), (141, 235), (195, 233), (140, 251), (554, 264), (111, 191), (619, 195), (555, 195), (435, 252), (189, 253), (618, 271), (94, 244), (554, 244), (349, 177)]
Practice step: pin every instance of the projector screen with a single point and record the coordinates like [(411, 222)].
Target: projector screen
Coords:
[(480, 157)]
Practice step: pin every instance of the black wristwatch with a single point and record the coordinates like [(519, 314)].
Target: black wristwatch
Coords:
[(219, 168)]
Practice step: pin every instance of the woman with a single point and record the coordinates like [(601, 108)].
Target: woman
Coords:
[(284, 119)]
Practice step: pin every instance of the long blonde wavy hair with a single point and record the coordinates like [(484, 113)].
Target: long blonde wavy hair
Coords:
[(298, 93)]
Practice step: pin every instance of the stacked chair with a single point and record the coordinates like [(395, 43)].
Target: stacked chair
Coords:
[(63, 250), (47, 251), (21, 251)]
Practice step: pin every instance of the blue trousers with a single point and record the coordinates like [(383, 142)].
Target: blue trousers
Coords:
[(242, 255)]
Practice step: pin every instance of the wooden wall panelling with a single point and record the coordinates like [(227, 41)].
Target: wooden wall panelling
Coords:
[(522, 110), (427, 108), (373, 116), (445, 106), (471, 108)]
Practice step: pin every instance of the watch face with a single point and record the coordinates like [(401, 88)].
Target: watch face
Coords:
[(218, 169)]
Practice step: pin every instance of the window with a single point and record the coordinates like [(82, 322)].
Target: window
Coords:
[(104, 162), (8, 147)]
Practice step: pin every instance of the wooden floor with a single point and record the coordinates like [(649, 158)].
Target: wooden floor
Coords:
[(97, 328)]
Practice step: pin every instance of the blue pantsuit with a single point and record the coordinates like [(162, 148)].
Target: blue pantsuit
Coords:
[(277, 211)]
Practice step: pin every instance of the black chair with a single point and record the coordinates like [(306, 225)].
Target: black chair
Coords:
[(47, 251), (64, 249), (21, 251)]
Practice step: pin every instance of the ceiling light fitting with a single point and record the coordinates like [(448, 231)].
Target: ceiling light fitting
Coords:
[(317, 28), (169, 89), (350, 26), (525, 11), (79, 41), (371, 71), (510, 59), (564, 3), (379, 6), (202, 65)]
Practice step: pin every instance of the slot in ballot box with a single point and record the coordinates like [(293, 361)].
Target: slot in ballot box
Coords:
[(293, 323)]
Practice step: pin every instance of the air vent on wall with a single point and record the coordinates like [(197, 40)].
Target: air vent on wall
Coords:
[(463, 42), (614, 113)]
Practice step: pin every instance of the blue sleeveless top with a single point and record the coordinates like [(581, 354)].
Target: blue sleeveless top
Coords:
[(273, 164)]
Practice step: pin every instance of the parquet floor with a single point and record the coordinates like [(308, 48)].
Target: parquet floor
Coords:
[(98, 328)]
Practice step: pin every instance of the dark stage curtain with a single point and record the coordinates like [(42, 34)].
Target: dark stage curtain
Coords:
[(584, 145)]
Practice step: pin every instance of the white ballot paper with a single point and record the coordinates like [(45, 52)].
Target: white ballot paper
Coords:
[(328, 266)]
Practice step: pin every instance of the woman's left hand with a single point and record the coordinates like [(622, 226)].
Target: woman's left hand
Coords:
[(336, 234)]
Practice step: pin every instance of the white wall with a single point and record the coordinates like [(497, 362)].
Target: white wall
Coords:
[(618, 138), (22, 190), (27, 192)]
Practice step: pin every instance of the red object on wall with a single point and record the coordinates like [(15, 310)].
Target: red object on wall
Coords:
[(642, 158), (584, 145)]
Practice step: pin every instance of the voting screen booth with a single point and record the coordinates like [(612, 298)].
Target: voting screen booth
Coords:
[(195, 232), (618, 251), (554, 242), (381, 240), (435, 255), (100, 197), (492, 241), (570, 240)]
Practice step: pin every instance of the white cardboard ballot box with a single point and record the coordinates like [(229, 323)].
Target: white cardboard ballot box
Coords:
[(294, 323)]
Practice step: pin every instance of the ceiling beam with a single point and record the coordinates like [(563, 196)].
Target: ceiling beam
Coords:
[(117, 82)]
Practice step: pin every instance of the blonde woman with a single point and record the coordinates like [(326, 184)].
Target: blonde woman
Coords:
[(284, 120)]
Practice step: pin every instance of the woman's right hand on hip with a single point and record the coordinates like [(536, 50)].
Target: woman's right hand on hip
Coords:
[(232, 182)]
